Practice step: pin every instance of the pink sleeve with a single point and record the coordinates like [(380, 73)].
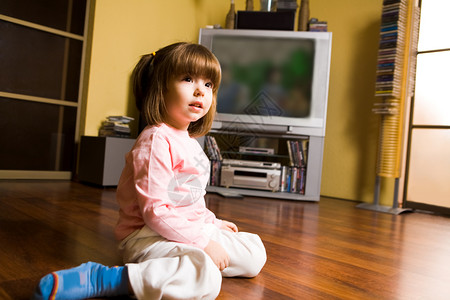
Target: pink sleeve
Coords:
[(153, 172), (211, 218)]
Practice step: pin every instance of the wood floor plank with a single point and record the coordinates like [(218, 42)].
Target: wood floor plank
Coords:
[(325, 250)]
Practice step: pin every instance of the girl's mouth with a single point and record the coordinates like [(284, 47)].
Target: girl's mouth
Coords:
[(196, 104)]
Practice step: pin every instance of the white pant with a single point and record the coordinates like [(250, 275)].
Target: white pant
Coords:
[(159, 268)]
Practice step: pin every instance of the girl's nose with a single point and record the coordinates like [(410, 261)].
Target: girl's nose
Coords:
[(199, 91)]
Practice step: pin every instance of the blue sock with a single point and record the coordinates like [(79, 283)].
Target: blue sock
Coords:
[(88, 280)]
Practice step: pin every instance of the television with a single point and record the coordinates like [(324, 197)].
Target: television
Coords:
[(271, 80)]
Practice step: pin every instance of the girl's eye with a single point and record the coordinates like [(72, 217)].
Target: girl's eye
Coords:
[(187, 79), (209, 85)]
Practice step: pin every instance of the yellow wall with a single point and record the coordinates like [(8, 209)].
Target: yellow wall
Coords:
[(352, 129), (125, 29)]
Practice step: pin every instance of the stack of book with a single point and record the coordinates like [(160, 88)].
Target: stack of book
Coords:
[(116, 126), (317, 26), (213, 152), (293, 178)]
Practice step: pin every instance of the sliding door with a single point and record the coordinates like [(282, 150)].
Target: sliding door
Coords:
[(428, 170)]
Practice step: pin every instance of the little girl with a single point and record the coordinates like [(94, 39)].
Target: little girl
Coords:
[(173, 246)]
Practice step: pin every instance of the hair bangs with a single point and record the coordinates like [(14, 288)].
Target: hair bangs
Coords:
[(198, 61)]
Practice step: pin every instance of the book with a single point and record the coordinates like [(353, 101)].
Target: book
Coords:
[(116, 126), (291, 158), (293, 178), (213, 152)]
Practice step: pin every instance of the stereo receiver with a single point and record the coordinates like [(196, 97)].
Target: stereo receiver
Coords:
[(250, 174)]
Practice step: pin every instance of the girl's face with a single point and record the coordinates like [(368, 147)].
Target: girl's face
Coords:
[(188, 99)]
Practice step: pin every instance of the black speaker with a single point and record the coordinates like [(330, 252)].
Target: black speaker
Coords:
[(279, 20)]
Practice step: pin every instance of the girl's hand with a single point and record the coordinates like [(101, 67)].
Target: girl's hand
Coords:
[(229, 226), (218, 255)]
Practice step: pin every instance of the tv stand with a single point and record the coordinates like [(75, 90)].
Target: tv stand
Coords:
[(229, 140), (274, 93)]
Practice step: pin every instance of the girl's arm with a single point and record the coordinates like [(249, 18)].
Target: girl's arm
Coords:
[(153, 175)]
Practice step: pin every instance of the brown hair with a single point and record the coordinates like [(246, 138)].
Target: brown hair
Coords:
[(154, 71)]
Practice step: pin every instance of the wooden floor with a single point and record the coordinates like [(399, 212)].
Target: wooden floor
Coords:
[(325, 250)]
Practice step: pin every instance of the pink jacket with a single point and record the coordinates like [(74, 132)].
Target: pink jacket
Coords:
[(163, 185)]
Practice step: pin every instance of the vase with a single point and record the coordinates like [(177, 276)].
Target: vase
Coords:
[(231, 16), (249, 5), (303, 15)]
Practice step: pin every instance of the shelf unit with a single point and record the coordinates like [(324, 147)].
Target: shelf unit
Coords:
[(229, 143)]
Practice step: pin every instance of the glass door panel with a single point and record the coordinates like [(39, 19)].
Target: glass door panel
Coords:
[(432, 92), (429, 168), (434, 25)]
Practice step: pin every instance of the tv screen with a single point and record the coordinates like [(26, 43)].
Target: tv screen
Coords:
[(265, 76), (272, 80)]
